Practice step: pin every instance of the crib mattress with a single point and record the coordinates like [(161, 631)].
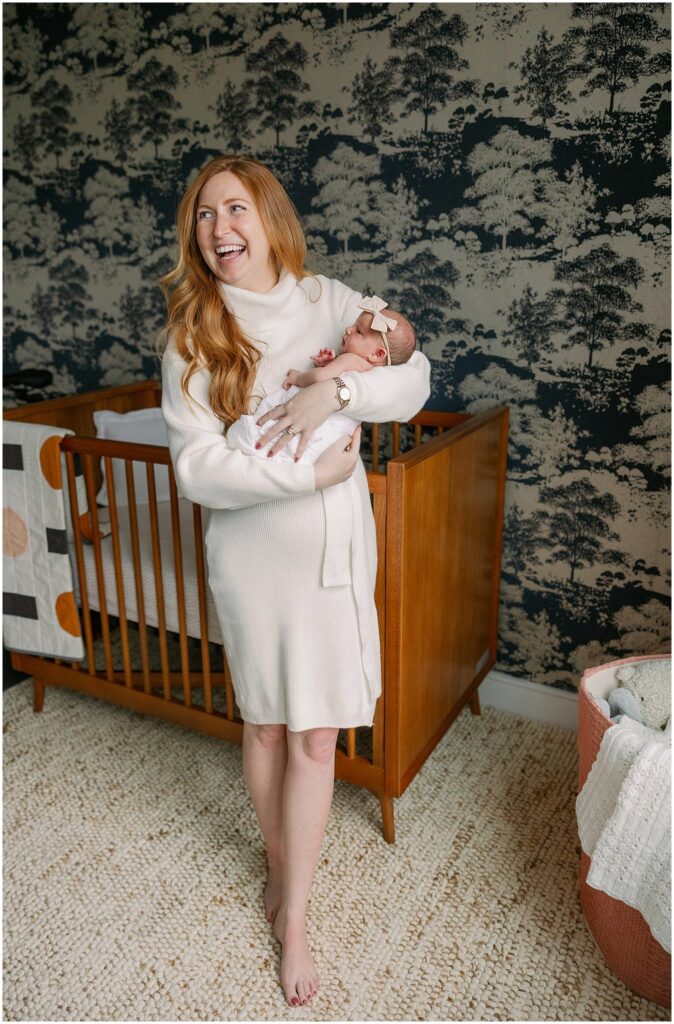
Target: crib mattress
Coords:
[(169, 581)]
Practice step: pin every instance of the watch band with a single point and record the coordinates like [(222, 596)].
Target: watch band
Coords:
[(342, 384)]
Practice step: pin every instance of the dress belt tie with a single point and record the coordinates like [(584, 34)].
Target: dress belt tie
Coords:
[(345, 562)]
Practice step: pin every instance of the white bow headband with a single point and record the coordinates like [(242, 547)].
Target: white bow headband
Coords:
[(373, 304)]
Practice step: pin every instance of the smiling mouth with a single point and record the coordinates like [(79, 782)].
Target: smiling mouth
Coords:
[(228, 253)]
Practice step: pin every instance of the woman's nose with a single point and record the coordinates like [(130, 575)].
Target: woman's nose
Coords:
[(221, 224)]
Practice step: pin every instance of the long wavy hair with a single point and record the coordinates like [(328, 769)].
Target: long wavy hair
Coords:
[(205, 330)]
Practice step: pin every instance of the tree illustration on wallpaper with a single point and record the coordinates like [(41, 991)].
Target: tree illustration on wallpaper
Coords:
[(578, 530), (109, 36), (504, 189), (25, 141), (373, 93), (545, 69), (24, 52), (43, 309), (649, 440), (51, 102), (530, 327), (567, 206), (431, 60), (105, 214), (522, 536), (201, 22), (74, 302), (30, 230), (278, 84), (342, 207), (153, 102), (422, 286), (556, 443), (118, 129), (396, 214), (593, 308), (234, 111), (614, 45)]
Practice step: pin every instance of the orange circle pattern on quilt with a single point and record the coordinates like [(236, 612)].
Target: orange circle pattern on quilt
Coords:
[(14, 533), (50, 461), (66, 613)]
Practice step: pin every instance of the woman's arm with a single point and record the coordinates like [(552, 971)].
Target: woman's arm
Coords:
[(385, 392), (208, 471), (389, 392)]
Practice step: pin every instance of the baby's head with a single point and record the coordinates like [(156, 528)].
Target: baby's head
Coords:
[(361, 339)]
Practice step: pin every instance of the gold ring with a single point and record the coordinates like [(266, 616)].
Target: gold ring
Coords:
[(290, 431)]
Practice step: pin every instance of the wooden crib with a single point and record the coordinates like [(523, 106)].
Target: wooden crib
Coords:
[(438, 509)]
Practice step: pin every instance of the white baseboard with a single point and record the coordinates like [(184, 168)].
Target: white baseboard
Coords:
[(541, 703)]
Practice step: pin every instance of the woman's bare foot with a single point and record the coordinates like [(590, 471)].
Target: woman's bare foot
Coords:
[(273, 890), (298, 973)]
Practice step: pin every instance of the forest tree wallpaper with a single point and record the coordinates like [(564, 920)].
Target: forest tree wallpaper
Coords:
[(498, 171)]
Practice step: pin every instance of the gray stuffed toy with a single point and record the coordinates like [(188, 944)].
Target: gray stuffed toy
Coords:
[(644, 694)]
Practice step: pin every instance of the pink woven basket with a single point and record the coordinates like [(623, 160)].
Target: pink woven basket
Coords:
[(620, 931)]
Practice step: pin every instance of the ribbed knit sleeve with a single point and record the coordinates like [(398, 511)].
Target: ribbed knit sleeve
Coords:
[(385, 392), (208, 471)]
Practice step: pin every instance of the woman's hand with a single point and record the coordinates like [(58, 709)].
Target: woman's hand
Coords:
[(304, 412), (338, 462)]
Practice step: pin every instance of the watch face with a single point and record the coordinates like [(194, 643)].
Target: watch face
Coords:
[(345, 393)]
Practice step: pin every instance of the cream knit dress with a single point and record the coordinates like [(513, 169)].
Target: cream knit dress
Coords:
[(292, 570)]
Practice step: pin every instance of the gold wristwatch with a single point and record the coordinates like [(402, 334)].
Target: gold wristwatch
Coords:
[(343, 392)]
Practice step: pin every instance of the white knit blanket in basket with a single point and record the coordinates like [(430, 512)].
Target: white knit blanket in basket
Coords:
[(625, 822)]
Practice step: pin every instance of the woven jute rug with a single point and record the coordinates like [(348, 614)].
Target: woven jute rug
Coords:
[(134, 874)]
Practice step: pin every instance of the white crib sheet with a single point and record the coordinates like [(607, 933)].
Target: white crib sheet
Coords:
[(169, 582)]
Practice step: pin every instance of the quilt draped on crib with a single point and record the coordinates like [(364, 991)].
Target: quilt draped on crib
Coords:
[(39, 611)]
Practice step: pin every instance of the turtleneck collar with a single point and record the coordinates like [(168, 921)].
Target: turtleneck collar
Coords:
[(263, 310)]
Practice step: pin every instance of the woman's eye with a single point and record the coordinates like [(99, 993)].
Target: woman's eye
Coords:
[(202, 214), (237, 206)]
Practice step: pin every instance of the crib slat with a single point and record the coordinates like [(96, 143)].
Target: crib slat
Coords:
[(396, 439), (119, 576), (229, 689), (180, 590), (375, 447), (350, 742), (417, 434), (158, 579), (203, 608), (81, 571), (137, 573), (98, 560)]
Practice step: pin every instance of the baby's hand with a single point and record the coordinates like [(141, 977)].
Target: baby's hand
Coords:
[(326, 355), (291, 378)]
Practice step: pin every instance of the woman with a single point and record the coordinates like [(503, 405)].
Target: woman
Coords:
[(297, 614)]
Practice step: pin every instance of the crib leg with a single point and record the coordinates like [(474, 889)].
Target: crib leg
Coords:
[(388, 825), (475, 703), (38, 694)]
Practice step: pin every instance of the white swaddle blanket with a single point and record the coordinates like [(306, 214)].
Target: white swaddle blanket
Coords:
[(244, 433), (625, 823)]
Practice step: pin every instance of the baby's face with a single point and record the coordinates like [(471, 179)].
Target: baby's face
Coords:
[(360, 338)]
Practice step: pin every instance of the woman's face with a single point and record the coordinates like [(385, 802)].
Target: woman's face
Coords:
[(231, 236)]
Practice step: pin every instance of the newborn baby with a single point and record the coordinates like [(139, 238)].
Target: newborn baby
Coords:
[(374, 340)]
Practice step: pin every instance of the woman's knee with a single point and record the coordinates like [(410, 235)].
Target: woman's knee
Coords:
[(266, 735), (315, 744)]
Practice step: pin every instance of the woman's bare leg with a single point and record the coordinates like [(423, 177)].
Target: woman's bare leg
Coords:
[(309, 785), (265, 754)]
